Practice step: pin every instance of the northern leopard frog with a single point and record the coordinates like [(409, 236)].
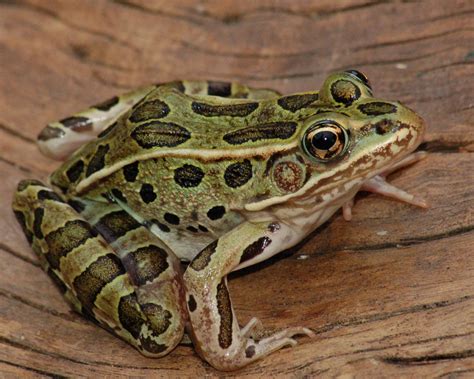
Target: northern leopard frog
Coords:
[(217, 174)]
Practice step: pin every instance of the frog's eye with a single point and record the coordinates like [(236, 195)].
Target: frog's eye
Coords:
[(325, 140), (360, 76)]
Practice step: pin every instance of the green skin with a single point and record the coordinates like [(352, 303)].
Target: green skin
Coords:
[(218, 174)]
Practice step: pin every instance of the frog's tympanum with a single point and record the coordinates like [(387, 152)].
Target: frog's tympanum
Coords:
[(217, 174)]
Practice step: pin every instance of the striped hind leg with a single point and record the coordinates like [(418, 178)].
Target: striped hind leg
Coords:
[(130, 286)]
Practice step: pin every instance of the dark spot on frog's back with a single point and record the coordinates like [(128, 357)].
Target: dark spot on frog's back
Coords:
[(188, 176), (272, 130), (233, 110), (237, 174), (160, 134), (130, 172), (77, 123), (107, 104), (147, 193), (377, 108), (222, 89), (171, 218), (177, 85), (152, 109), (293, 103), (74, 172), (215, 213), (97, 162)]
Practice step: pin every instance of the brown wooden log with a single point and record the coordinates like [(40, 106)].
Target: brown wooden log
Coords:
[(389, 294)]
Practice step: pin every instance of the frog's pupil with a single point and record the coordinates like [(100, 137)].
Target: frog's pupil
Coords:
[(324, 140)]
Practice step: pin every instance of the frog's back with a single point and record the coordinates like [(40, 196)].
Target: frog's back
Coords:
[(170, 123)]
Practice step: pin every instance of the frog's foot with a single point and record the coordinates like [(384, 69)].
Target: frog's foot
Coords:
[(113, 271), (379, 185), (258, 349)]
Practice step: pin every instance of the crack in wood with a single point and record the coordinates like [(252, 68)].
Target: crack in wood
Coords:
[(448, 147), (40, 307), (24, 258), (406, 242), (451, 15), (75, 27), (310, 14), (411, 40), (455, 374), (374, 63), (147, 10), (386, 315), (449, 65), (35, 370), (424, 359), (24, 346), (13, 164), (414, 343), (16, 134)]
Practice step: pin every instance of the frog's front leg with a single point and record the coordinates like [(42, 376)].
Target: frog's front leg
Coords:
[(215, 330), (109, 266), (60, 138)]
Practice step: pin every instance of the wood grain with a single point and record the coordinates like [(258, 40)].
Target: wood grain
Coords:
[(389, 294)]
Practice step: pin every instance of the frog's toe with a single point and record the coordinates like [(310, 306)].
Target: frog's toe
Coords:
[(256, 350)]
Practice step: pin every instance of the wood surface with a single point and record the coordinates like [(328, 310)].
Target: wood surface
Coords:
[(390, 294)]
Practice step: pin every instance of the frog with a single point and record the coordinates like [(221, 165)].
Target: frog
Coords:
[(164, 191)]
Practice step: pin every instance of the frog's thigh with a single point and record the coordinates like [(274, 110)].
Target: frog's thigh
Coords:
[(215, 329), (136, 307), (61, 138)]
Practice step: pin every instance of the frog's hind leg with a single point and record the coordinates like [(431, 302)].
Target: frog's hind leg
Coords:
[(135, 294), (215, 330), (61, 138)]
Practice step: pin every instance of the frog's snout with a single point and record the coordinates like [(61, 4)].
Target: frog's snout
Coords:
[(415, 123)]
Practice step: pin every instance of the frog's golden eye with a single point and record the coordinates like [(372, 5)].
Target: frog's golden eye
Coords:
[(325, 140)]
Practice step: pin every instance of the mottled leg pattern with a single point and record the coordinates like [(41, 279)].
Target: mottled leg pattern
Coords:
[(215, 330), (61, 138), (125, 279)]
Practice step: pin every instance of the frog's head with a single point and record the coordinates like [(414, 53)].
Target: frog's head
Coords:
[(355, 131), (350, 137)]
